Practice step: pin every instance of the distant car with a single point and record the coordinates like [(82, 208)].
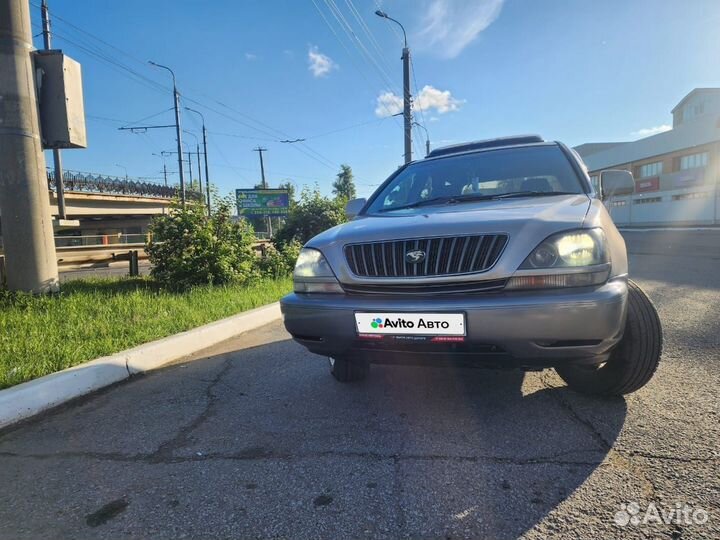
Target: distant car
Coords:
[(496, 253)]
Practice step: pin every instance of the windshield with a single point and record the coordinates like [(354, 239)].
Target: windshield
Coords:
[(530, 171)]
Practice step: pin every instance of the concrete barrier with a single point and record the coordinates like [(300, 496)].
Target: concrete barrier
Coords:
[(28, 399)]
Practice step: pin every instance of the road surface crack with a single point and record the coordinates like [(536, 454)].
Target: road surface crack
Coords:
[(165, 451)]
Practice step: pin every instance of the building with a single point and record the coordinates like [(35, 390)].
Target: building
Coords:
[(676, 172)]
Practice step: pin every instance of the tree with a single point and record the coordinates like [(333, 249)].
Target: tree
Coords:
[(291, 190), (312, 214), (344, 184)]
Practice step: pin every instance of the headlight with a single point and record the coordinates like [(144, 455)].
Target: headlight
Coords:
[(569, 250), (313, 274), (569, 259)]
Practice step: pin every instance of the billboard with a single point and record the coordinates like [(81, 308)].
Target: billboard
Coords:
[(262, 202), (647, 184)]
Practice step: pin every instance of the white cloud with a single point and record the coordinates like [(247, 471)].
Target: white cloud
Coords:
[(448, 26), (428, 99), (647, 132), (319, 64), (250, 56), (388, 104)]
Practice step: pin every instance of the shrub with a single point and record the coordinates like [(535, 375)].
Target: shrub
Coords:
[(313, 214), (188, 248), (277, 263)]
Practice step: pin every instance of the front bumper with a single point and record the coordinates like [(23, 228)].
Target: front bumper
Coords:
[(519, 328)]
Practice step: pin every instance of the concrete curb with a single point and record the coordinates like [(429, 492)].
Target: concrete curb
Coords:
[(30, 398)]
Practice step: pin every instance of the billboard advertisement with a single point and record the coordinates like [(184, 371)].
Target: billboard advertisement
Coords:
[(647, 184), (262, 202)]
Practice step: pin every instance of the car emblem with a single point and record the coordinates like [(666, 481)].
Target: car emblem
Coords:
[(415, 256)]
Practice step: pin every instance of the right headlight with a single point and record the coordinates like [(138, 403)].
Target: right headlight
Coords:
[(569, 259), (313, 274)]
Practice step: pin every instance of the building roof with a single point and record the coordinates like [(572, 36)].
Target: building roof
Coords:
[(594, 147), (703, 130), (694, 91)]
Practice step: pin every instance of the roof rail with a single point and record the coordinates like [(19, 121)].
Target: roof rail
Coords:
[(488, 143)]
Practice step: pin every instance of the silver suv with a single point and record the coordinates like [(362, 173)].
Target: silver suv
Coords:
[(496, 253)]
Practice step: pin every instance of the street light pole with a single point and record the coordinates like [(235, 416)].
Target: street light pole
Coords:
[(407, 114), (162, 155), (207, 173), (197, 154), (427, 137), (176, 99), (123, 167)]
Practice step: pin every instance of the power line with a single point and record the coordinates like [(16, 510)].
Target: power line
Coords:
[(350, 56)]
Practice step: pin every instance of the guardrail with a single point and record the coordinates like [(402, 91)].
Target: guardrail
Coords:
[(114, 185), (102, 255), (101, 239)]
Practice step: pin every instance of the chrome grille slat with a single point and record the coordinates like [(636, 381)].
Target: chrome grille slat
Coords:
[(444, 256)]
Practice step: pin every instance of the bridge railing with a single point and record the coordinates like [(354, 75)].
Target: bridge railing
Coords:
[(115, 185)]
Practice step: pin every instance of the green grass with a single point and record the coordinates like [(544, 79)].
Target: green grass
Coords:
[(93, 318)]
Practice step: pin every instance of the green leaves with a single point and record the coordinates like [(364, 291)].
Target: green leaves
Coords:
[(313, 214), (188, 248)]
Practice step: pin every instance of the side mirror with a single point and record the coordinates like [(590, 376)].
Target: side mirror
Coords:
[(353, 207), (614, 183)]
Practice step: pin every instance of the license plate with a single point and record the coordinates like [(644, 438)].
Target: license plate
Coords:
[(416, 324)]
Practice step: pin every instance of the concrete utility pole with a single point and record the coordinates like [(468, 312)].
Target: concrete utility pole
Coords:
[(31, 263), (207, 172), (57, 160), (260, 151), (407, 114), (178, 130)]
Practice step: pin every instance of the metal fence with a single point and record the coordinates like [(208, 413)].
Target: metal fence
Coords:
[(115, 185)]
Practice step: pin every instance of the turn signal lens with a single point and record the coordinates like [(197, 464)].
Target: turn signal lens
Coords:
[(558, 281)]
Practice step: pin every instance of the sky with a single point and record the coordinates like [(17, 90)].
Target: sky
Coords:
[(330, 72)]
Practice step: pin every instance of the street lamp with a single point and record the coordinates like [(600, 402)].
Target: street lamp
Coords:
[(161, 155), (197, 153), (407, 118), (124, 168), (207, 173), (427, 137), (176, 101)]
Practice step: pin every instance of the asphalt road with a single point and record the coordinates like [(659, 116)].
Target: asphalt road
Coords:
[(256, 440)]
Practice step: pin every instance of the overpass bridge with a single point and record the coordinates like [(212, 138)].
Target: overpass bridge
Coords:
[(108, 205)]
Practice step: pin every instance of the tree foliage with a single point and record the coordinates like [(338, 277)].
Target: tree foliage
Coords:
[(344, 184), (188, 248), (312, 214)]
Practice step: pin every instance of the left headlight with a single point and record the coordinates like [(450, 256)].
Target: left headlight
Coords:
[(569, 249), (568, 259), (313, 274)]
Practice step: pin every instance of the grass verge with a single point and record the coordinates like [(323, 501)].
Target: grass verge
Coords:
[(97, 317)]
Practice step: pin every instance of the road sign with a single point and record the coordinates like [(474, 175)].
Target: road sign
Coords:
[(262, 202)]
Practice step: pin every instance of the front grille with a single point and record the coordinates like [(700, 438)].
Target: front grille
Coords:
[(444, 256)]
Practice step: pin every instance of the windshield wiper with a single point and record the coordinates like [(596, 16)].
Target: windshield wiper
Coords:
[(533, 194), (425, 202)]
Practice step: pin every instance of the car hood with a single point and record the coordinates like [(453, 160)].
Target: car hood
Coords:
[(527, 222)]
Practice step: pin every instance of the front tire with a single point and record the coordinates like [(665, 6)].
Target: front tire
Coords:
[(633, 361), (347, 370)]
